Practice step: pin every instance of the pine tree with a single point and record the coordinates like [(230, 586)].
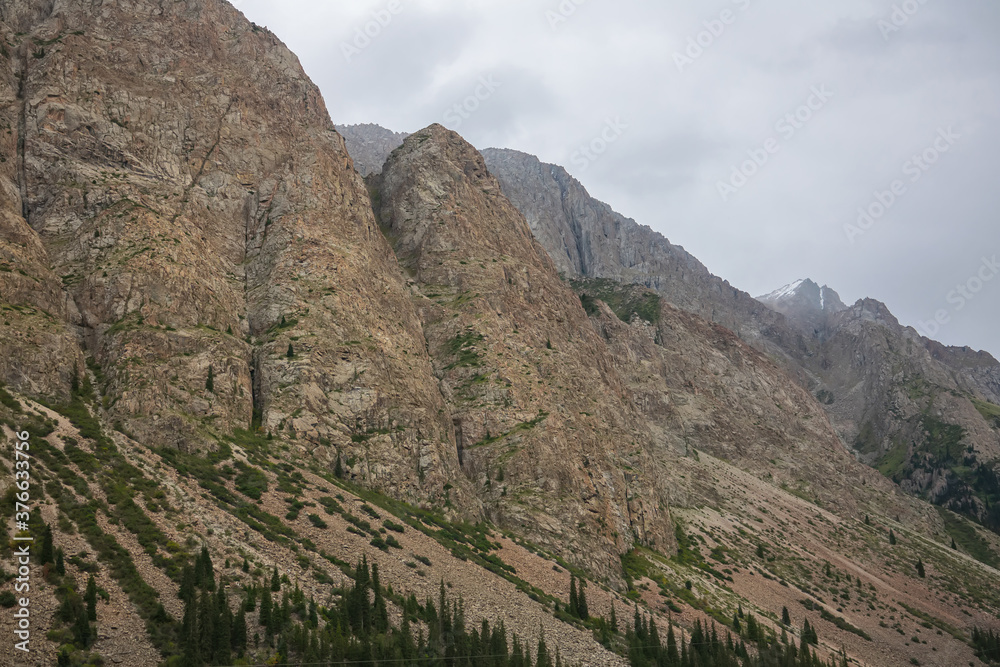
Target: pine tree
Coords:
[(60, 562), (90, 597), (204, 571), (614, 619), (953, 545), (868, 521), (188, 582), (265, 609), (920, 569), (673, 659), (786, 619), (543, 659), (210, 381), (275, 580), (223, 629), (291, 352), (582, 610), (892, 537), (238, 633), (81, 629), (46, 554), (338, 470)]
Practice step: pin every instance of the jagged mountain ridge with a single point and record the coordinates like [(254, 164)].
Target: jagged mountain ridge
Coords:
[(803, 325), (252, 333)]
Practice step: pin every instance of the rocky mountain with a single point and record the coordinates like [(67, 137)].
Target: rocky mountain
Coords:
[(277, 413), (805, 304), (859, 362), (370, 145)]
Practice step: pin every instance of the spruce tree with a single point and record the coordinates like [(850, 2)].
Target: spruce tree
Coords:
[(892, 537), (265, 609), (291, 352), (275, 580), (543, 659), (90, 597), (581, 603), (60, 562), (920, 569), (81, 629), (786, 619), (46, 554)]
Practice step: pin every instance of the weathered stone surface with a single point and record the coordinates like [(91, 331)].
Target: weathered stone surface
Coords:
[(547, 428), (182, 175)]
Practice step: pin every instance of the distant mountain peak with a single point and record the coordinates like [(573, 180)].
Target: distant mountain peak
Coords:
[(804, 294)]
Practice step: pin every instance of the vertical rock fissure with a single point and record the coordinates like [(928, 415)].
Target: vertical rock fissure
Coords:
[(204, 161), (459, 440), (22, 124)]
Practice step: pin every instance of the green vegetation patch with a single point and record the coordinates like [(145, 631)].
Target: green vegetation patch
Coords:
[(967, 538), (463, 347), (944, 440), (624, 300), (990, 412)]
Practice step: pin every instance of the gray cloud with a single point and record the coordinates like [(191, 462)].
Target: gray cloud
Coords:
[(687, 129)]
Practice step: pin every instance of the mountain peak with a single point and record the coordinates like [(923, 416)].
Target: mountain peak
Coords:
[(806, 304), (804, 293)]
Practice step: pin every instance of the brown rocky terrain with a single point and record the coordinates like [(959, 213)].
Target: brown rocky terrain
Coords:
[(224, 344)]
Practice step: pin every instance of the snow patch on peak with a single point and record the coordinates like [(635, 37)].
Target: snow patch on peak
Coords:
[(782, 292), (822, 297)]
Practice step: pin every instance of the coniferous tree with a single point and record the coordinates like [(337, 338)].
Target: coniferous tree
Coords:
[(238, 633), (953, 545), (582, 610), (90, 597), (188, 582), (672, 657), (81, 629), (543, 659), (60, 562), (786, 619), (291, 352), (223, 629), (265, 609), (920, 569), (46, 554), (275, 580), (210, 381), (892, 537)]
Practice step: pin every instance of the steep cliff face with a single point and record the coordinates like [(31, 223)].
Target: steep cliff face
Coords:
[(180, 174), (586, 238), (806, 305), (544, 424), (370, 145), (703, 389), (923, 414)]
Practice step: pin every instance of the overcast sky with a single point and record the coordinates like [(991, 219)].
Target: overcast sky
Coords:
[(688, 91)]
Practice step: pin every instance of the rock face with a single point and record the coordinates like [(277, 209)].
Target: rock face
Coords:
[(858, 361), (586, 238), (370, 145), (545, 426), (805, 304), (182, 231), (179, 172)]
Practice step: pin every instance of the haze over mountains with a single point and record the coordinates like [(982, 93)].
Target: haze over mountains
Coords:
[(283, 410)]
